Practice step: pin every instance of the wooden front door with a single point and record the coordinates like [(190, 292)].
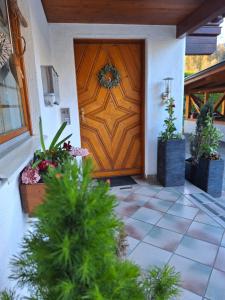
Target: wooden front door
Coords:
[(111, 120)]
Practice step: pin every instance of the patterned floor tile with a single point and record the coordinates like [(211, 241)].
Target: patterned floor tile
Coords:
[(126, 209), (174, 223), (149, 191), (183, 211), (162, 238), (137, 229), (120, 194), (183, 200), (206, 232), (197, 250), (132, 243), (147, 215), (188, 188), (216, 287), (204, 218), (158, 204), (187, 295), (220, 260), (169, 195), (147, 256), (223, 240), (193, 274), (136, 198)]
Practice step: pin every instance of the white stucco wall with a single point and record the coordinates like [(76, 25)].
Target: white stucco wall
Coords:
[(164, 58), (13, 222), (53, 44)]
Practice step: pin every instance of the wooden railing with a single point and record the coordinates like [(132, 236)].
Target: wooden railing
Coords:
[(194, 102)]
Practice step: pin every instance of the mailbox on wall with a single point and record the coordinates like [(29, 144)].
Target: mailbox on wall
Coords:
[(50, 82)]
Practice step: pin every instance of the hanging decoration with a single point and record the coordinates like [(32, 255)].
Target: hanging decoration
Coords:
[(5, 49), (17, 12), (109, 76)]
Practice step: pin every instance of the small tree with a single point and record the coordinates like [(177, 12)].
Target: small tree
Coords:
[(205, 141), (71, 254), (162, 283), (170, 132)]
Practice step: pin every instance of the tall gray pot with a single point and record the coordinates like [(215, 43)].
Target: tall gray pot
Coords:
[(171, 162)]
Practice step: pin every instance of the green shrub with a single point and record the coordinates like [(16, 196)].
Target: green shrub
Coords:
[(170, 132), (161, 283), (8, 295), (205, 141), (72, 252), (210, 139)]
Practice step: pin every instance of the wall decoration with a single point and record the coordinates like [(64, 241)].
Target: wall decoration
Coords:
[(17, 12), (50, 82), (5, 49), (109, 76)]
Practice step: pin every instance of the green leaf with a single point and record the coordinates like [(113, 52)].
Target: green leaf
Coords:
[(36, 163), (62, 141), (56, 137), (41, 135)]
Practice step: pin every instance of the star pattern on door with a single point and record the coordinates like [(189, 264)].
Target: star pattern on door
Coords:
[(111, 114)]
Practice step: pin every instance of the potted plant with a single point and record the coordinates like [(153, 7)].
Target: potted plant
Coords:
[(171, 152), (205, 167), (74, 251), (32, 186)]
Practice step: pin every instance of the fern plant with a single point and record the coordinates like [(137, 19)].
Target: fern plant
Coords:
[(72, 252)]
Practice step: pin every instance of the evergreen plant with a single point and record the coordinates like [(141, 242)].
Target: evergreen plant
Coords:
[(71, 254)]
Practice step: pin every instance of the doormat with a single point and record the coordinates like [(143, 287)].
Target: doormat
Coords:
[(119, 180)]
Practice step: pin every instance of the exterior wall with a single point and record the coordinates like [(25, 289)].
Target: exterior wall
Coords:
[(164, 58), (53, 44), (189, 127), (13, 223)]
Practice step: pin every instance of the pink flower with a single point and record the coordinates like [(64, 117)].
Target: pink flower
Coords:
[(30, 175), (44, 164), (76, 151)]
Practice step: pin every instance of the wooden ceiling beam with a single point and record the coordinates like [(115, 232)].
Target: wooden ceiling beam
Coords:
[(209, 10)]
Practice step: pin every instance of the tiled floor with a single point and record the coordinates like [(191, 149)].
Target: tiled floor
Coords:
[(168, 225)]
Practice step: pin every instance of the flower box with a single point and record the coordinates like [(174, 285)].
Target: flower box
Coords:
[(32, 188), (207, 175), (32, 195), (171, 162)]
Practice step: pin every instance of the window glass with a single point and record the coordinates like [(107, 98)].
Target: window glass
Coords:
[(11, 111)]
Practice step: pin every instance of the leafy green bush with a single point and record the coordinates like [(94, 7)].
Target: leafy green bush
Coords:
[(210, 139), (205, 141), (72, 252), (161, 283), (170, 132), (8, 295)]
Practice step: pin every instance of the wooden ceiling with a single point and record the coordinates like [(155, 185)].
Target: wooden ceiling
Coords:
[(154, 12)]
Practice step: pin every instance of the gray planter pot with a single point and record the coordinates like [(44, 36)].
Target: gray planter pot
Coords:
[(171, 162), (207, 175)]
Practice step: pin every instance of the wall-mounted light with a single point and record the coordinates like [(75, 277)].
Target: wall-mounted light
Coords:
[(166, 95)]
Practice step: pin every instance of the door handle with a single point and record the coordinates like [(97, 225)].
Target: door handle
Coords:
[(82, 115)]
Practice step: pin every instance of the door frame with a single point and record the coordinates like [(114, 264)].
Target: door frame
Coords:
[(143, 82)]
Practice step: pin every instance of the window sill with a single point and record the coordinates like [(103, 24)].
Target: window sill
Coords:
[(14, 162)]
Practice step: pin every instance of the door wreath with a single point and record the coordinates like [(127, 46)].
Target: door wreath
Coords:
[(111, 81)]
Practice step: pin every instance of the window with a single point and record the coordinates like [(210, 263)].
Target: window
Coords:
[(14, 110)]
